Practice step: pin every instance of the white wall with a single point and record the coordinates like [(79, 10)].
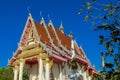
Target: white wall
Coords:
[(33, 72), (56, 72)]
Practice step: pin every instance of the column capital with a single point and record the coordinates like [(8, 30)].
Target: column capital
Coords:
[(22, 60), (47, 59), (40, 55), (15, 67)]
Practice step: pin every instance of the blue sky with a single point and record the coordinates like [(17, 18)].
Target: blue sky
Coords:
[(13, 16)]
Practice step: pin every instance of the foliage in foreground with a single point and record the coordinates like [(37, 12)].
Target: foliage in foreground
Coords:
[(7, 74), (105, 17)]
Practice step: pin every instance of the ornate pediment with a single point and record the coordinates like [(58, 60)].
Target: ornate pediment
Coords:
[(29, 35), (31, 39)]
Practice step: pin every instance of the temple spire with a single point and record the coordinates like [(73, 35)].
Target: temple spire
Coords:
[(71, 35), (28, 9), (50, 22), (42, 21), (61, 28), (40, 13)]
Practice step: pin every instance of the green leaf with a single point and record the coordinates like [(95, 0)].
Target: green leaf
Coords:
[(107, 45), (109, 65), (116, 39), (101, 42), (80, 12), (111, 12), (86, 18), (101, 37), (94, 0), (88, 5), (108, 6), (115, 33), (100, 27), (105, 17), (111, 50)]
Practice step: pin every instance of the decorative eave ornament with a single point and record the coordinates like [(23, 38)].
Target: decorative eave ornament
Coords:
[(61, 28)]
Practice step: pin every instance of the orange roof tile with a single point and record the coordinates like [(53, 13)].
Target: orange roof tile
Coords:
[(42, 33), (65, 40), (52, 34), (76, 50)]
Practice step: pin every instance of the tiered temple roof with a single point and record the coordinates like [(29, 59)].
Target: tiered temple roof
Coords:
[(53, 40)]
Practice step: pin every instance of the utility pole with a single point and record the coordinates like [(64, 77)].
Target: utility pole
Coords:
[(103, 65)]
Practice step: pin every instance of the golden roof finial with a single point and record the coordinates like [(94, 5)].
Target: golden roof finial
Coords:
[(41, 14), (49, 17), (71, 35), (61, 28), (28, 9)]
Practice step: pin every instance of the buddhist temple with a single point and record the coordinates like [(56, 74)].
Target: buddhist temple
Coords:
[(47, 53)]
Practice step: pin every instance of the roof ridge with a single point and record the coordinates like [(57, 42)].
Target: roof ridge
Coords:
[(49, 37), (76, 46), (53, 28)]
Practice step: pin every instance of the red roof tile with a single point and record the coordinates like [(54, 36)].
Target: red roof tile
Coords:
[(65, 40), (42, 33), (52, 34), (82, 53)]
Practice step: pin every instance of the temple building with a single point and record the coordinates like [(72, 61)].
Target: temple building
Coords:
[(47, 53)]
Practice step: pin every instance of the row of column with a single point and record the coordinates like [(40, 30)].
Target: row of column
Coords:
[(40, 74), (47, 74), (40, 70), (19, 70), (86, 75)]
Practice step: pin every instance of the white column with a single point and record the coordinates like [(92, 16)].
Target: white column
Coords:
[(84, 75), (21, 69), (61, 75), (47, 74), (40, 69), (89, 77), (66, 72), (15, 72)]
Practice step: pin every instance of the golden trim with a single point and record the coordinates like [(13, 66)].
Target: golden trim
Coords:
[(91, 77), (16, 63), (29, 47), (15, 67), (50, 64), (47, 59), (30, 53)]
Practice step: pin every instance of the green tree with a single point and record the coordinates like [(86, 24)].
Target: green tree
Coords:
[(7, 74), (105, 17), (25, 75)]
